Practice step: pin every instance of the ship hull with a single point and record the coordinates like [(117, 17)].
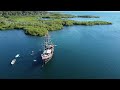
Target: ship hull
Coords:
[(49, 57), (47, 60), (48, 50)]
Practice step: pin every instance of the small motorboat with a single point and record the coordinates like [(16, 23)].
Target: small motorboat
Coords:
[(34, 60), (13, 61), (18, 55)]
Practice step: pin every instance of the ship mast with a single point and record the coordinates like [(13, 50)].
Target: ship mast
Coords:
[(47, 40)]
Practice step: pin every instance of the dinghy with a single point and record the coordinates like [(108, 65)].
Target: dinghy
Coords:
[(18, 55), (13, 61), (34, 60)]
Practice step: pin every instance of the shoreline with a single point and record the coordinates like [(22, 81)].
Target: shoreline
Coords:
[(33, 25)]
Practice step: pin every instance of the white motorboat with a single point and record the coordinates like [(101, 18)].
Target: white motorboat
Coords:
[(34, 60), (18, 55), (13, 61)]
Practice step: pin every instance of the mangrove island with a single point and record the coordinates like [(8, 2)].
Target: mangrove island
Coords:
[(88, 16), (32, 22)]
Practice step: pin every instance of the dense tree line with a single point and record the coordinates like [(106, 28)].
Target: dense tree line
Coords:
[(88, 16), (31, 23), (22, 13)]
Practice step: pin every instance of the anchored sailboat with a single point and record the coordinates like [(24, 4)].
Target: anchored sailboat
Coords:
[(48, 49)]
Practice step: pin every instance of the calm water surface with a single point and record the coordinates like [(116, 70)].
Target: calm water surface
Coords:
[(81, 52)]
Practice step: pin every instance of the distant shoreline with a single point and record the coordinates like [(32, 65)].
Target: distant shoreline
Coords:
[(36, 26)]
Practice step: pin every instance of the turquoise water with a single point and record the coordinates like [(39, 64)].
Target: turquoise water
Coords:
[(82, 52)]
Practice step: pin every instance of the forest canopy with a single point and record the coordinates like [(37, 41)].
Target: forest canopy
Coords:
[(33, 22)]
